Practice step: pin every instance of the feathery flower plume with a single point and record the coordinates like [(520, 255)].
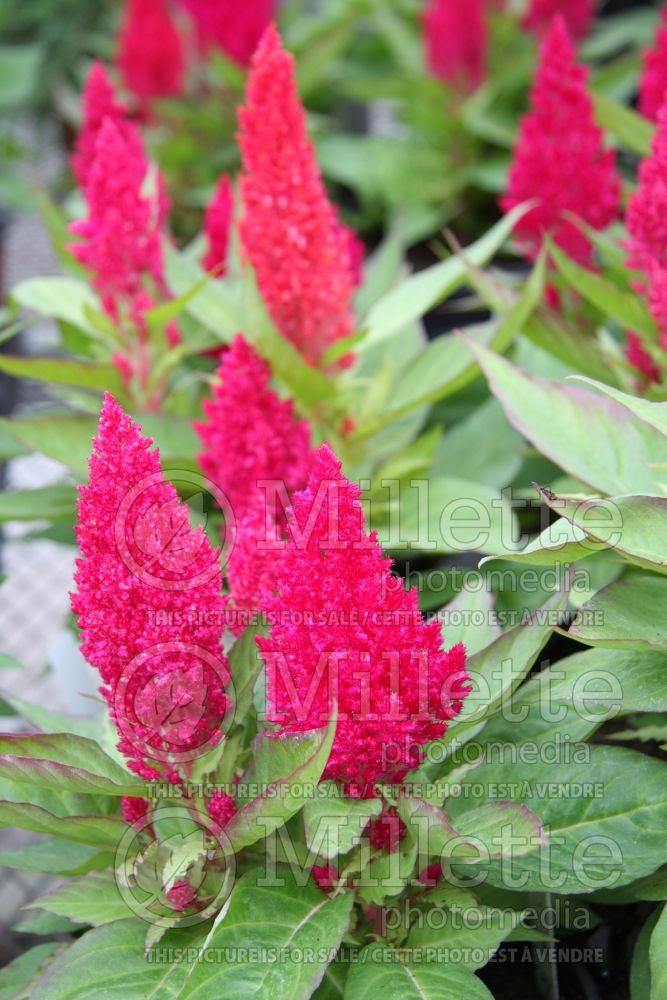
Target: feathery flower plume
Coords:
[(290, 231), (455, 39), (653, 82), (233, 27), (347, 633), (121, 243), (143, 569), (150, 52), (217, 224), (99, 103), (577, 14), (251, 435), (560, 158)]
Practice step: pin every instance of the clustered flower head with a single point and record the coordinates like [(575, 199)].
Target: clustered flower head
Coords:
[(456, 42), (233, 27), (653, 82), (217, 226), (577, 14), (646, 222), (347, 636), (290, 230), (251, 436), (99, 104), (150, 56), (560, 158), (149, 605)]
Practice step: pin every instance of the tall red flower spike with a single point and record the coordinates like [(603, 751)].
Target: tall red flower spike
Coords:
[(653, 83), (149, 604), (99, 103), (640, 359), (121, 240), (290, 231), (577, 14), (345, 632), (456, 42), (560, 158), (233, 27), (150, 56), (217, 226), (250, 436)]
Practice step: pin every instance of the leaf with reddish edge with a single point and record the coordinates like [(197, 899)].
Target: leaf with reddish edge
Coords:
[(635, 526), (628, 614), (283, 767), (592, 438), (65, 762), (99, 831)]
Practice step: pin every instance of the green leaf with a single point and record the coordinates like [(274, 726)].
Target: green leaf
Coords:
[(281, 774), (658, 957), (628, 614), (271, 918), (50, 722), (640, 970), (80, 374), (444, 514), (560, 543), (100, 831), (333, 822), (593, 439), (604, 817), (630, 128), (109, 962), (654, 414), (580, 692), (19, 74), (59, 298), (634, 526), (64, 762), (213, 305), (505, 829), (56, 857), (65, 438), (471, 934), (627, 308), (48, 503), (18, 976), (469, 619), (469, 450), (420, 292), (498, 669), (94, 899), (381, 972)]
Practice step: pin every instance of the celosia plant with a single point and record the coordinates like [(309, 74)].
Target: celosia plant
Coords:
[(368, 651), (141, 559), (560, 158), (217, 226), (151, 56), (290, 229), (455, 37), (235, 29), (653, 82), (577, 14)]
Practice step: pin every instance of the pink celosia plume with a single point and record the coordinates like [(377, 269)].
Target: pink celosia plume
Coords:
[(233, 27), (149, 605), (217, 226), (653, 82), (347, 634), (577, 14), (150, 56), (251, 436), (560, 158), (289, 229), (99, 103), (455, 39), (640, 359)]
